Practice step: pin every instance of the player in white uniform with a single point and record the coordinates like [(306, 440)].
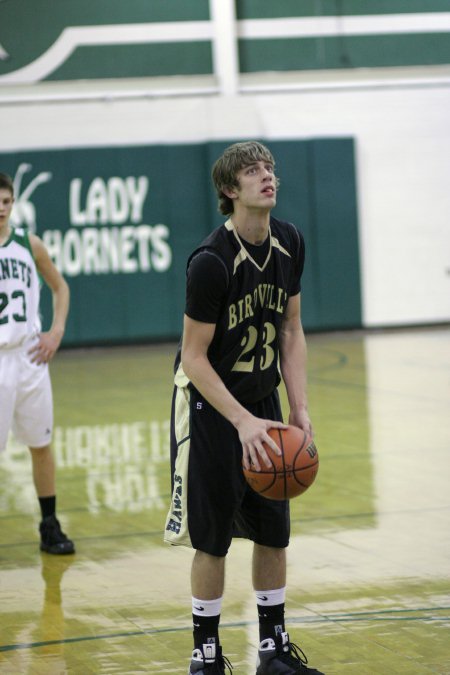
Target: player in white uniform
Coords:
[(26, 405)]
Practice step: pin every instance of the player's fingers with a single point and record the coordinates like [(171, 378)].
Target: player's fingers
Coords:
[(254, 458), (40, 356), (273, 445), (245, 459), (36, 344), (277, 425), (263, 454)]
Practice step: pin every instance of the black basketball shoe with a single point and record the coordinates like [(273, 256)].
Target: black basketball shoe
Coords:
[(53, 539), (281, 657), (209, 660)]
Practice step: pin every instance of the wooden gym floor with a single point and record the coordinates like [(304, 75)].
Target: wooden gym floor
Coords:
[(369, 562)]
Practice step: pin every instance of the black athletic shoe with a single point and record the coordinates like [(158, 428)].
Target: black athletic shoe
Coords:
[(209, 660), (281, 657), (53, 539)]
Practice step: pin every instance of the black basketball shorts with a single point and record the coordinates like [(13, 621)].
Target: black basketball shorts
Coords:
[(211, 500)]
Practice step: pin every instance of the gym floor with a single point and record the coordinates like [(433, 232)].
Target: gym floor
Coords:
[(369, 561)]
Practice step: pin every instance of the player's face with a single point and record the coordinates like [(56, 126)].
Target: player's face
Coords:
[(6, 204), (257, 186)]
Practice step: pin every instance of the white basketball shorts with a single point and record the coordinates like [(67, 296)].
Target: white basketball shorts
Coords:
[(26, 403)]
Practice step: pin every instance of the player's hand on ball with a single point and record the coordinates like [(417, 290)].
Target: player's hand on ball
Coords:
[(300, 418), (253, 434)]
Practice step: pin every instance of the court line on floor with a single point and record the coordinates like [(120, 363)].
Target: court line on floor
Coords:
[(159, 533), (380, 615), (366, 514)]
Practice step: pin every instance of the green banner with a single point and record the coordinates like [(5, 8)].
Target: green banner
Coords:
[(119, 223)]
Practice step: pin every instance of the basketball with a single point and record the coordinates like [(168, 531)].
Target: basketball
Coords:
[(292, 472)]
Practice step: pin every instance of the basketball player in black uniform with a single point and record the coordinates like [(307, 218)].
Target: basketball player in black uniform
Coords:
[(242, 318)]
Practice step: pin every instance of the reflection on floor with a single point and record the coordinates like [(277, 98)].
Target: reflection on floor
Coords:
[(369, 561)]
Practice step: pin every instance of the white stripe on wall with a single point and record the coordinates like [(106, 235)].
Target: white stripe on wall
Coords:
[(328, 26)]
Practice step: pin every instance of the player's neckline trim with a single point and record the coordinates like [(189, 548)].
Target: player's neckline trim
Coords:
[(244, 253)]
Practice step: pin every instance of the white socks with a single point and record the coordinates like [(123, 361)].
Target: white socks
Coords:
[(270, 598), (206, 607)]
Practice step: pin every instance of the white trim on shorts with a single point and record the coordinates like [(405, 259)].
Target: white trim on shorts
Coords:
[(176, 529)]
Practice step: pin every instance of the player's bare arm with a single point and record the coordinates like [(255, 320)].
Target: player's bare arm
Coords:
[(293, 358), (197, 337), (48, 343)]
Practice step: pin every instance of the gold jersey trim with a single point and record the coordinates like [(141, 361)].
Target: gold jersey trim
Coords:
[(245, 255), (176, 530)]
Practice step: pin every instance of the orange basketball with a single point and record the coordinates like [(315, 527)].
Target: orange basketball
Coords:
[(292, 472)]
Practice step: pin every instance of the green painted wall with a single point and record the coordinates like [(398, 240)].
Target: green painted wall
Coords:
[(29, 29), (255, 9), (368, 51), (147, 60)]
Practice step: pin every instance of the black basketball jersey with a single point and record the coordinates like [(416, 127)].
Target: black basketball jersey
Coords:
[(249, 308)]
